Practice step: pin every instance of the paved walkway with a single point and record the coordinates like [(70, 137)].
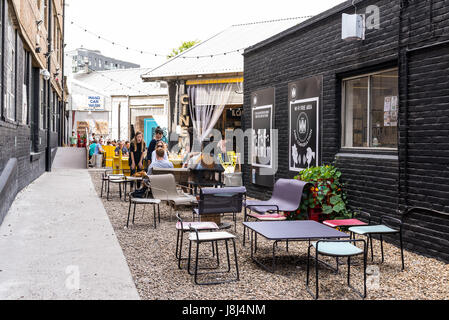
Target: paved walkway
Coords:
[(74, 158), (57, 243)]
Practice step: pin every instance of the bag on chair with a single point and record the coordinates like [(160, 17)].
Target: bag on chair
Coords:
[(139, 193)]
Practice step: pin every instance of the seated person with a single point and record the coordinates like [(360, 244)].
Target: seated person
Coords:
[(98, 148), (92, 147), (160, 162), (122, 147), (160, 144)]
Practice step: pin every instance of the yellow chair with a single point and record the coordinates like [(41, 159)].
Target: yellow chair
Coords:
[(121, 165), (109, 156), (229, 166)]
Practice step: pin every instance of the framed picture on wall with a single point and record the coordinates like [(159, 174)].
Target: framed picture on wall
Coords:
[(304, 134), (262, 151)]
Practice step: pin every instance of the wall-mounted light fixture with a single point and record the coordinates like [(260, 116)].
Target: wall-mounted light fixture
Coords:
[(353, 26), (45, 74)]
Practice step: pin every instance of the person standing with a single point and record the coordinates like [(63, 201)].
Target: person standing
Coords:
[(136, 153), (73, 139)]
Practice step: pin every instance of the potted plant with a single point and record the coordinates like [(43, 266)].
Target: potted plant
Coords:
[(325, 198)]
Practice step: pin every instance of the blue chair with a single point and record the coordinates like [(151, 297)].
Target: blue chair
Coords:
[(337, 249), (384, 228)]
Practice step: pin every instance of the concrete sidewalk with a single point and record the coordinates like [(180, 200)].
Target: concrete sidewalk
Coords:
[(57, 243)]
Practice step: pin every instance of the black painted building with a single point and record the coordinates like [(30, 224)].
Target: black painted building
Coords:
[(383, 111), (32, 111)]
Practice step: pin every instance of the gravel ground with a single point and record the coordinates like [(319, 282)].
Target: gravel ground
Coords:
[(150, 254)]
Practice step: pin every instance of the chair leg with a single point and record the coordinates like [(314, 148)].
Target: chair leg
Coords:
[(196, 262), (382, 248), (189, 257), (154, 216), (102, 184), (402, 251), (107, 196), (245, 219), (159, 212), (236, 260), (349, 271), (227, 255), (134, 214), (371, 244), (129, 212)]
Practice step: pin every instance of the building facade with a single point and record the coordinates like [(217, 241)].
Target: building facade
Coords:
[(381, 106), (205, 83), (110, 102), (77, 59), (32, 112)]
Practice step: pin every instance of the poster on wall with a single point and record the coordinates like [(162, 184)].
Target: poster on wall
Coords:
[(262, 127), (263, 141), (304, 124)]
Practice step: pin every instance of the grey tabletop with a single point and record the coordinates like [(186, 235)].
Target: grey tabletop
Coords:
[(294, 230)]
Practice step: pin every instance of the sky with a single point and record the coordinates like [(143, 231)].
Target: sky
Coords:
[(159, 26)]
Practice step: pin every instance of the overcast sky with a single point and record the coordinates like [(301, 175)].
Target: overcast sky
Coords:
[(160, 26)]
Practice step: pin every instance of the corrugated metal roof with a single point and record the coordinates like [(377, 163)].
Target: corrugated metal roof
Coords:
[(236, 37), (121, 82)]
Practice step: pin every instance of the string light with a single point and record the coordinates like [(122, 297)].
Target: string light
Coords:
[(115, 81), (163, 55)]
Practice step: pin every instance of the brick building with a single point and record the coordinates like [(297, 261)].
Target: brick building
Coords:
[(383, 108), (32, 92)]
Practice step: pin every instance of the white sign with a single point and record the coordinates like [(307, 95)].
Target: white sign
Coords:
[(95, 102)]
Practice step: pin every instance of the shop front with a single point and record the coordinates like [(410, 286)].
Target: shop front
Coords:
[(377, 108)]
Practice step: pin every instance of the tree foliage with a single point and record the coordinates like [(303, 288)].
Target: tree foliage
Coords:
[(185, 45)]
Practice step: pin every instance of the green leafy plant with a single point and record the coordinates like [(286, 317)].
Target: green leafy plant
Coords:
[(183, 47), (325, 193)]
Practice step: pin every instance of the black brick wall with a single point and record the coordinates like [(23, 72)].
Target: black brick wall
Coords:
[(16, 142), (377, 182)]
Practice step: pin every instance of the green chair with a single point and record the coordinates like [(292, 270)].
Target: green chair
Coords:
[(337, 249), (381, 230)]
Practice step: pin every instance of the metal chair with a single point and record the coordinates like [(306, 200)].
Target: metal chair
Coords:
[(381, 229), (211, 237), (183, 227), (336, 249), (221, 201), (164, 188), (146, 200), (286, 196)]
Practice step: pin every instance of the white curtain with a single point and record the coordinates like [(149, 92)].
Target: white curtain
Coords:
[(207, 103)]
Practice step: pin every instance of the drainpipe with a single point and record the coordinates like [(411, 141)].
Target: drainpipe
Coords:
[(48, 150), (64, 137)]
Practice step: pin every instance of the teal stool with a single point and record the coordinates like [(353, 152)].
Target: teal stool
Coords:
[(380, 229), (337, 249)]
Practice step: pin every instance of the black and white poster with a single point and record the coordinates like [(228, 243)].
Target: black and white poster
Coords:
[(262, 126), (304, 124), (263, 159)]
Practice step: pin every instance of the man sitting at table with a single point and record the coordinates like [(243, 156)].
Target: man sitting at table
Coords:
[(121, 147), (160, 162), (160, 144)]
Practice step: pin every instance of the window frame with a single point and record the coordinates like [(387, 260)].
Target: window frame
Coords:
[(343, 111)]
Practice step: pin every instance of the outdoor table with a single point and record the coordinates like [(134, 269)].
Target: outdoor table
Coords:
[(280, 231)]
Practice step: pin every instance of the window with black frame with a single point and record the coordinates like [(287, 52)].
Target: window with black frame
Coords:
[(10, 66), (370, 111)]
